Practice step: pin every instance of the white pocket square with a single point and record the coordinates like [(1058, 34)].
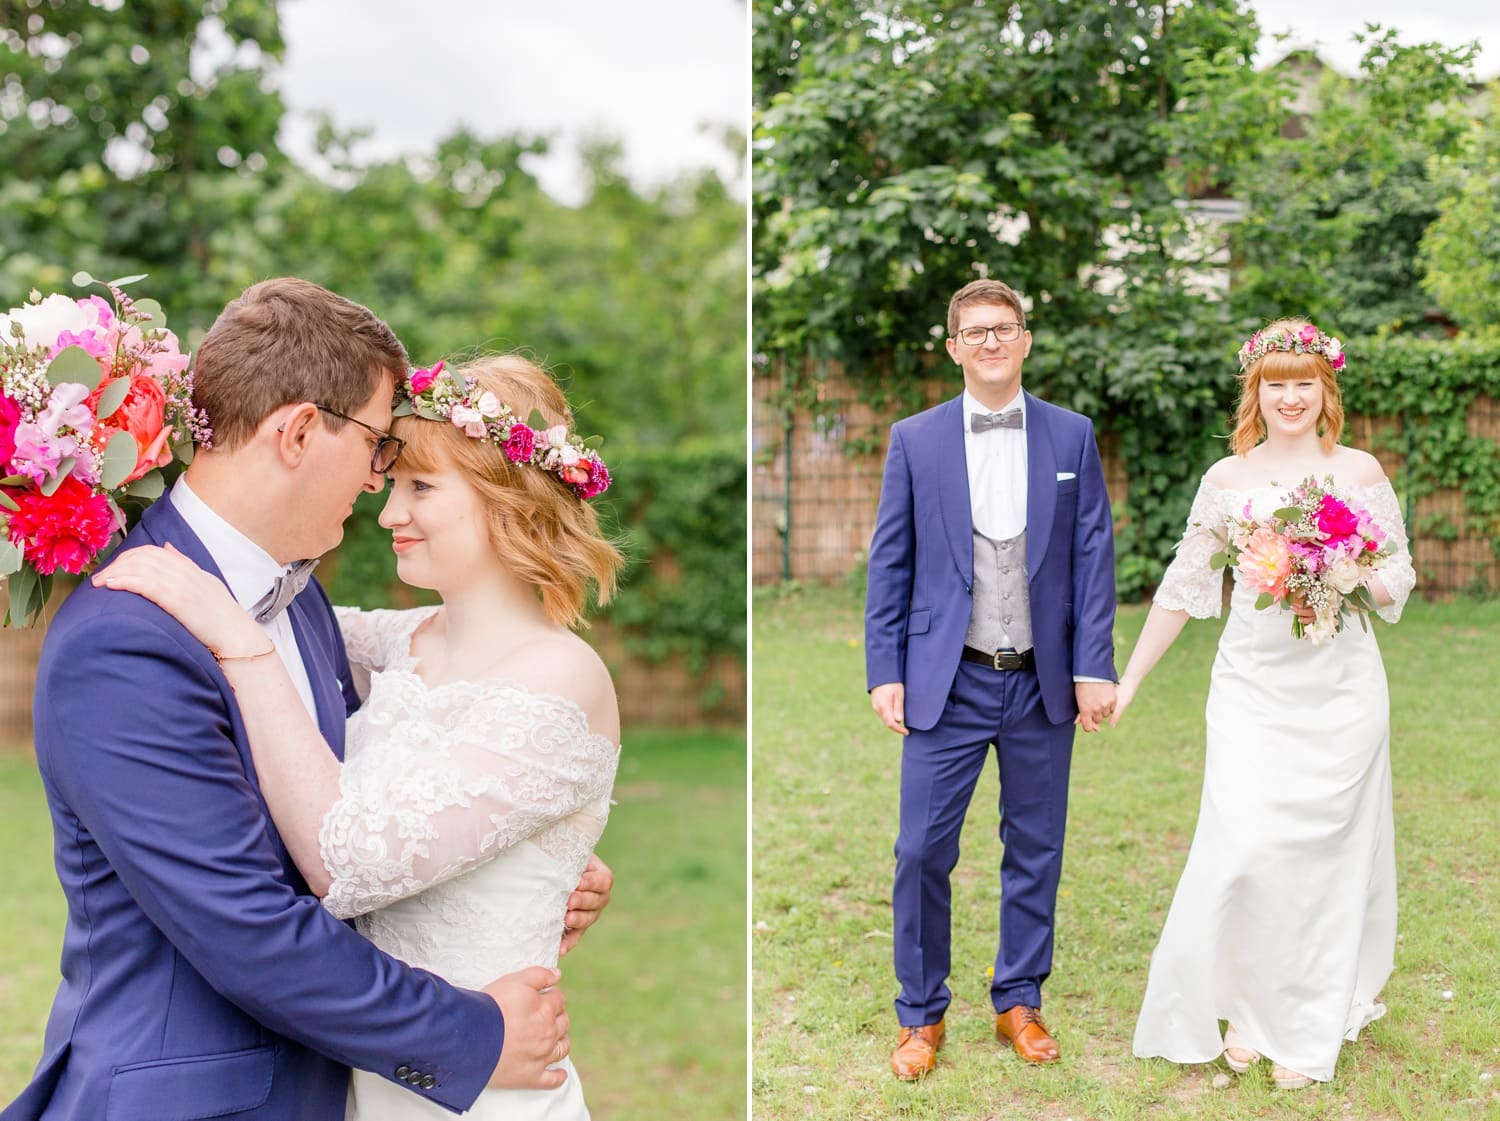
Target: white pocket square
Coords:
[(1061, 475)]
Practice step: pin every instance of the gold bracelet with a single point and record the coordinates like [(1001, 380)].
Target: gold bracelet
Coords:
[(222, 658)]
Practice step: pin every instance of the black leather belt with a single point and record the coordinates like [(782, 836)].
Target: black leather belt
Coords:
[(1001, 659)]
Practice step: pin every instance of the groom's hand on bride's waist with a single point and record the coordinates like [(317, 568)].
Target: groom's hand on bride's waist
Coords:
[(536, 1030), (587, 902)]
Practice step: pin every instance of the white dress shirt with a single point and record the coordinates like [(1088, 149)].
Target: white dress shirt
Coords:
[(997, 472), (249, 571)]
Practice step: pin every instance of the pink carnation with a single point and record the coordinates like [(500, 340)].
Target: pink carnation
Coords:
[(520, 444), (10, 418), (63, 530), (1337, 361), (598, 480)]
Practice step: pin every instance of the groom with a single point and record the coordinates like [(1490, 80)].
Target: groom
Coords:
[(988, 620), (200, 978)]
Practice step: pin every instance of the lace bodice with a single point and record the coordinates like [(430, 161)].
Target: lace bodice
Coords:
[(1191, 585), (466, 811)]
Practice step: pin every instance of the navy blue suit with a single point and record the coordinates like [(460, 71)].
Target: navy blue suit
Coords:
[(918, 606), (199, 976)]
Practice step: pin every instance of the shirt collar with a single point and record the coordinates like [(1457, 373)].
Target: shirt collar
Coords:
[(972, 406), (247, 568)]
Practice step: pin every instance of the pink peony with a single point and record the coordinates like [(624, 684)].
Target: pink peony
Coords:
[(1335, 520), (65, 530), (143, 415), (1265, 561), (10, 418), (99, 347), (520, 444)]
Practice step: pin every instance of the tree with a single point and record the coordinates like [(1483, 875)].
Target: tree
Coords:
[(1460, 252)]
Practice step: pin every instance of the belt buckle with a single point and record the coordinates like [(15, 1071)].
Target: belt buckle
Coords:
[(1008, 659)]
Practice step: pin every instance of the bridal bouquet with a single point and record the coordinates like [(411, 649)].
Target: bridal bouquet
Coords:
[(1317, 549), (95, 397)]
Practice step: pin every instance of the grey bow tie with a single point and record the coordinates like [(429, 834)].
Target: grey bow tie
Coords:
[(1010, 418), (287, 587)]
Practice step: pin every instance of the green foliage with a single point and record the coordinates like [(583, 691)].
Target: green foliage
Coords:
[(1335, 216), (1460, 252)]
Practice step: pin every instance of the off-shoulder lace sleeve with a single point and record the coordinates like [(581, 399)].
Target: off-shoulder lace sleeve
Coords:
[(371, 639), (448, 797), (1189, 584), (1396, 571)]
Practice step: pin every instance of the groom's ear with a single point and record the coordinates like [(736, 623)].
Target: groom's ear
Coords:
[(292, 429)]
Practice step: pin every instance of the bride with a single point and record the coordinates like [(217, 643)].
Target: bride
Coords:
[(480, 765), (1284, 921)]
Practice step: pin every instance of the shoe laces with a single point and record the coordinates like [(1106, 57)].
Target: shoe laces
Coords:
[(1032, 1016)]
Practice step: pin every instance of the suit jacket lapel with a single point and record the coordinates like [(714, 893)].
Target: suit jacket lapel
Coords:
[(953, 487), (1041, 485)]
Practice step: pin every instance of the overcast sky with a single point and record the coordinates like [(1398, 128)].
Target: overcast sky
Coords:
[(650, 72), (1330, 25)]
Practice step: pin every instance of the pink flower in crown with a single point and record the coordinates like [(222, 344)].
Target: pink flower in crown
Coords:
[(520, 444), (488, 405), (1265, 561), (421, 379), (470, 419), (1337, 361), (1308, 334), (598, 480), (575, 474)]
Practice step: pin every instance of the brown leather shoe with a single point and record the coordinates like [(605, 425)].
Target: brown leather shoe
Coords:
[(1023, 1029), (916, 1051)]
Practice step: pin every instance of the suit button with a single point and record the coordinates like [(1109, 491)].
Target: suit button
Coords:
[(402, 1071), (428, 1082)]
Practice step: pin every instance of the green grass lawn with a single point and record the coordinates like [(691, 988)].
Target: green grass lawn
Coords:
[(656, 991), (824, 820)]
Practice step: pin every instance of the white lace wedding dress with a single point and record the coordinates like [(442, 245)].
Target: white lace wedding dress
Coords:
[(466, 814), (1284, 921)]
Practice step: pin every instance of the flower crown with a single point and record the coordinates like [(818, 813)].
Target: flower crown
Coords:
[(1305, 339), (437, 394)]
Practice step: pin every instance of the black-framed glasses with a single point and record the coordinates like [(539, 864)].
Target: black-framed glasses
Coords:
[(1004, 333), (387, 448)]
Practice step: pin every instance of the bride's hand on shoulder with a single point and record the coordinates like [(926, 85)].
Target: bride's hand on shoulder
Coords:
[(197, 599)]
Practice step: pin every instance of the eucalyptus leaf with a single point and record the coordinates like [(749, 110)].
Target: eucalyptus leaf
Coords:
[(594, 442), (455, 380), (74, 364), (113, 397), (82, 279), (121, 455), (8, 502), (184, 450), (1218, 561), (25, 588), (537, 421), (11, 557), (65, 465), (402, 407), (149, 486), (124, 280), (1289, 514), (1264, 600), (14, 481), (427, 414), (152, 313)]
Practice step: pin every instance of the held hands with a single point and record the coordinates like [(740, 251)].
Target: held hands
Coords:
[(197, 599), (536, 1030), (1096, 703), (1124, 694), (889, 702), (587, 902)]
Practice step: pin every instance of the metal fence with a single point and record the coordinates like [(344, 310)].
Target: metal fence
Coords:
[(816, 482)]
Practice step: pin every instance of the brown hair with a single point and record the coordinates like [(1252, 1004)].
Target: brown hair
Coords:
[(284, 341), (1286, 365), (984, 292), (541, 529)]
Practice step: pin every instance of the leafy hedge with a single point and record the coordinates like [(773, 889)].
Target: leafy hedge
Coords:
[(679, 514)]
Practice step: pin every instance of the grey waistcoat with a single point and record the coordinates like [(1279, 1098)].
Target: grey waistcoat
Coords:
[(1001, 616)]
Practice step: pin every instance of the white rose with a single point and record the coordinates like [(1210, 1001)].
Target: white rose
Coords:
[(1343, 574)]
